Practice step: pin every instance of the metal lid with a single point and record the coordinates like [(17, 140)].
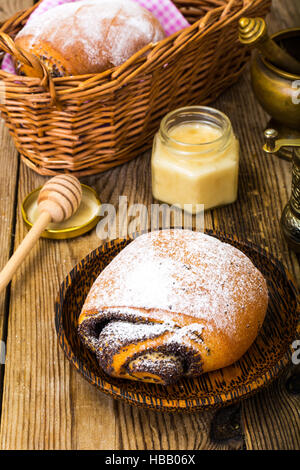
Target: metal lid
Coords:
[(85, 219)]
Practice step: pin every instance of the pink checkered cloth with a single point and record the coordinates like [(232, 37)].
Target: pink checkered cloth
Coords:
[(164, 10)]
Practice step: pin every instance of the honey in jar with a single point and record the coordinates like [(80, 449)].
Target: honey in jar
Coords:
[(195, 159)]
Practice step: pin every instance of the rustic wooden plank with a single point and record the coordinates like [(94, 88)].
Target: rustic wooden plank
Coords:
[(47, 405), (8, 181), (285, 14), (271, 419)]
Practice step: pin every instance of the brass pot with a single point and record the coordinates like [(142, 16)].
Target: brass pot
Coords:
[(276, 90)]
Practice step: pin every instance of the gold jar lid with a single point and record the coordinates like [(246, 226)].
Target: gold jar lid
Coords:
[(85, 219)]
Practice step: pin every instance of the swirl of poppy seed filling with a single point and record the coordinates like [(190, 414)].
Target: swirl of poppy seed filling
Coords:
[(164, 364)]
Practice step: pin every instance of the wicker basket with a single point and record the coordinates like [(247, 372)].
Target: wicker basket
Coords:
[(88, 124)]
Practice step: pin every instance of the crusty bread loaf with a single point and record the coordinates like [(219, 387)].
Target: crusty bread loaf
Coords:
[(173, 304), (88, 36)]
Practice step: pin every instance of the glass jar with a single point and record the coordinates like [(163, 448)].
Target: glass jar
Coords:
[(195, 159)]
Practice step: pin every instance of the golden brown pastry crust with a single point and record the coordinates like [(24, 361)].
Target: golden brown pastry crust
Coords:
[(89, 36), (198, 298)]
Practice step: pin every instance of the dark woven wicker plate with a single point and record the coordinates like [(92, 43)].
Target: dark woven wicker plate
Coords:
[(262, 363)]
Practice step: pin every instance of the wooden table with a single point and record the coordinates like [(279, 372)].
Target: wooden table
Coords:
[(46, 404)]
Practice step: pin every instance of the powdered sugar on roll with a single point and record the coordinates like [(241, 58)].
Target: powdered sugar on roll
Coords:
[(176, 298), (181, 271)]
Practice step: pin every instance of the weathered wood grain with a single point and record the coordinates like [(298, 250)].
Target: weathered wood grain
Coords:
[(271, 419), (48, 405), (8, 183)]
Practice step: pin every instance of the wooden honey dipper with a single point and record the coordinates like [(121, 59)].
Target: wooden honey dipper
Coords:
[(58, 200)]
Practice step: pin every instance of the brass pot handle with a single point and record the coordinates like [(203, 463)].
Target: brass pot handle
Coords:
[(30, 60), (253, 32)]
